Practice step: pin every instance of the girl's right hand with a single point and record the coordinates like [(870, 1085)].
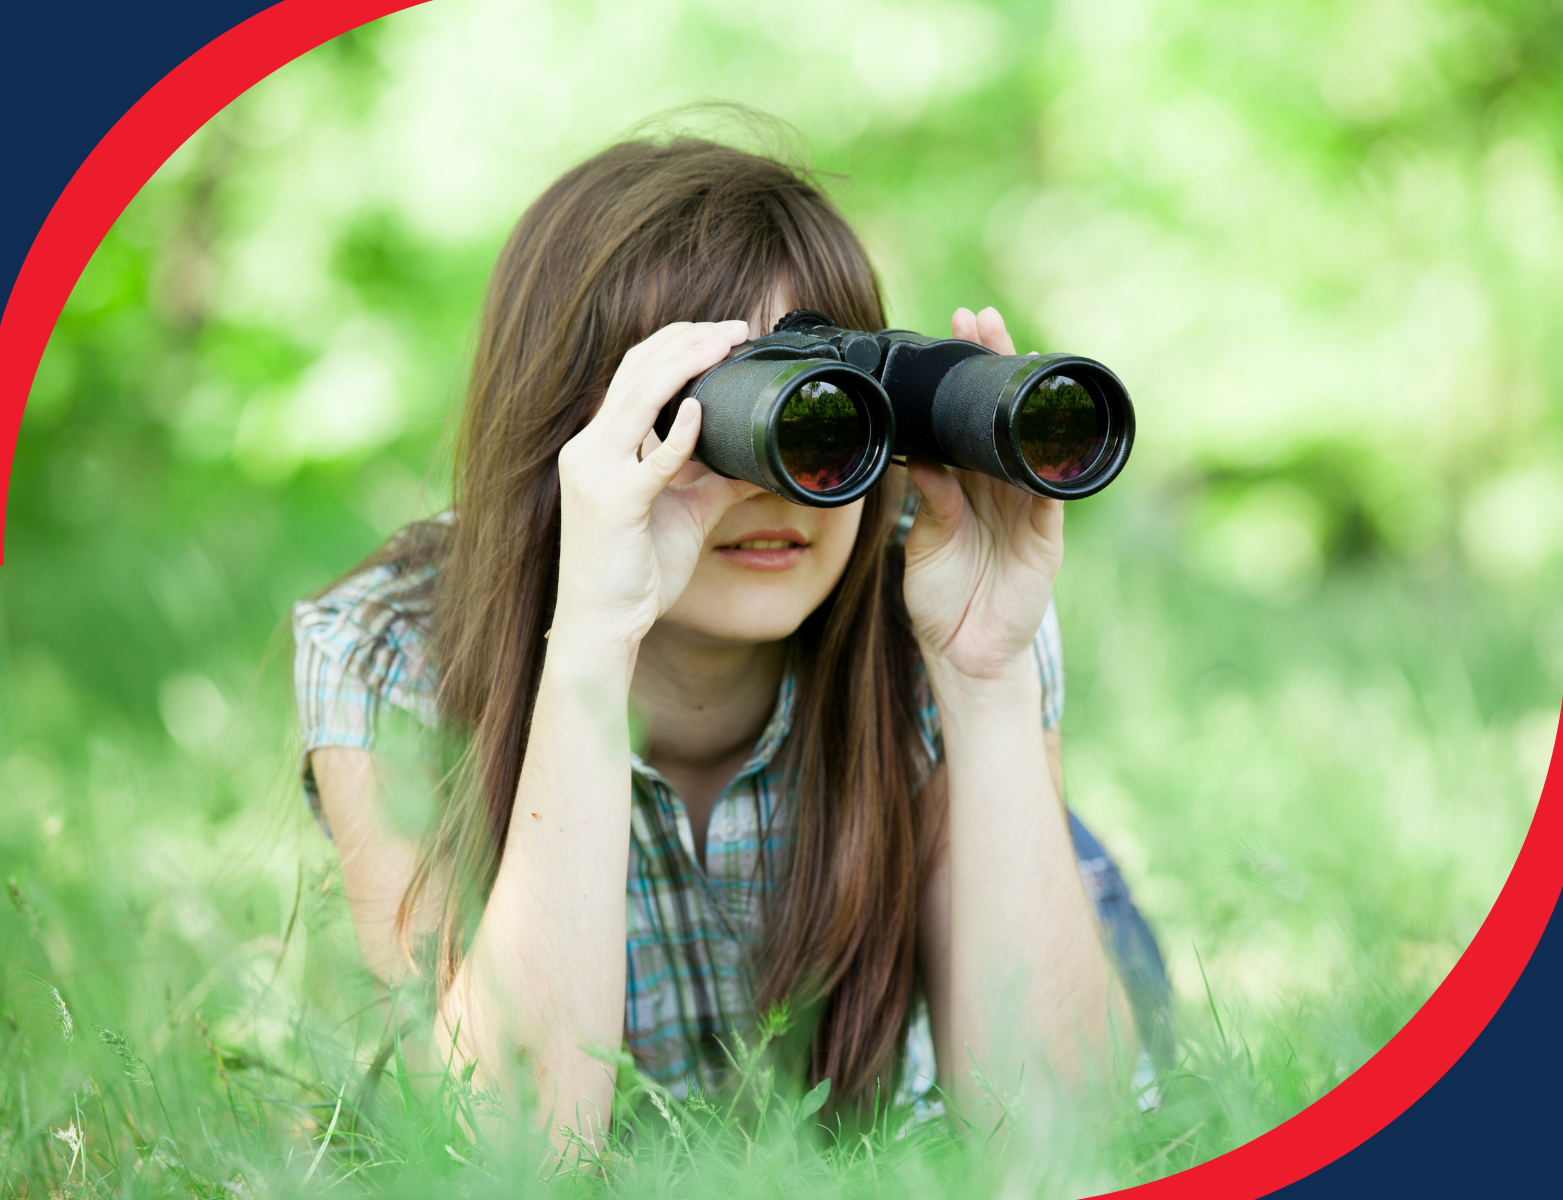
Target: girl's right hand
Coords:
[(629, 535)]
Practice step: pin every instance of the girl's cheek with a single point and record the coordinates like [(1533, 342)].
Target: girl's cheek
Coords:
[(839, 528)]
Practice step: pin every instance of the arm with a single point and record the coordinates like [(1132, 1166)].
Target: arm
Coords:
[(1012, 956), (1005, 912), (933, 915), (543, 979), (571, 993), (378, 860)]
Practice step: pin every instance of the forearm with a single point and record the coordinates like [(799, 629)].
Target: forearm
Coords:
[(378, 859), (543, 981), (1027, 973)]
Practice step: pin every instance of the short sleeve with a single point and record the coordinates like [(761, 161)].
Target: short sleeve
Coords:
[(1047, 657), (362, 648)]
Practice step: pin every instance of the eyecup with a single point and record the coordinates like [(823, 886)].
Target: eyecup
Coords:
[(801, 320)]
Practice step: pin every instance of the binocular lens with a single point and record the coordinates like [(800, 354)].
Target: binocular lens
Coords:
[(1063, 427), (814, 413), (822, 436)]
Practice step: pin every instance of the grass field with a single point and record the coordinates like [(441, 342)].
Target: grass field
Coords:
[(1315, 824)]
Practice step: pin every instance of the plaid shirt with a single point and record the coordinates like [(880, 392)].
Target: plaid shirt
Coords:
[(363, 655)]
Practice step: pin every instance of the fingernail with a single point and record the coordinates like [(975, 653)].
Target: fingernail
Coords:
[(687, 411)]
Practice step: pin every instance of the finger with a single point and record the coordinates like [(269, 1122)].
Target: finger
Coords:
[(984, 493), (991, 332), (690, 473), (635, 357), (1047, 518), (704, 343), (663, 375), (709, 497), (943, 501), (650, 443), (632, 366), (636, 353), (963, 324), (657, 468), (642, 359)]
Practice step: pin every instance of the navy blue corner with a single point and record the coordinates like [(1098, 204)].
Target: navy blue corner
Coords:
[(1486, 1127), (67, 73)]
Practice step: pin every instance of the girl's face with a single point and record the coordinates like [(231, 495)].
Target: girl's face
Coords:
[(768, 563)]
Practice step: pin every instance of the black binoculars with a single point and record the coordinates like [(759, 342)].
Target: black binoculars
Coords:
[(816, 413)]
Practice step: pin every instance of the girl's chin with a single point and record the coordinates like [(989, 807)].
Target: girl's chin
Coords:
[(737, 620)]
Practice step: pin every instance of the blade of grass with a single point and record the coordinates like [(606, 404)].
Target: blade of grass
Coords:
[(326, 1140)]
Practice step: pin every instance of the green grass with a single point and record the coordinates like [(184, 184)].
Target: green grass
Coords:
[(1315, 798)]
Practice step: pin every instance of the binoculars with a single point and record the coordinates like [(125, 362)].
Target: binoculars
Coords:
[(816, 413)]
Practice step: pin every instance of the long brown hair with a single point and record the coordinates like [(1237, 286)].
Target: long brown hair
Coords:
[(641, 235)]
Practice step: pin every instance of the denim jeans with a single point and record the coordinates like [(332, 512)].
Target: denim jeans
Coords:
[(1131, 941)]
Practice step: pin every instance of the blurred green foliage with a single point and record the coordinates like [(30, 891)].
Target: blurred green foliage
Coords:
[(1314, 659)]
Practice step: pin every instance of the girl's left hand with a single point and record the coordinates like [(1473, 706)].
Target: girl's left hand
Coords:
[(981, 556)]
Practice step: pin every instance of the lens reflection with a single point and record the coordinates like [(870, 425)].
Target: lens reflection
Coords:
[(822, 436), (1062, 429)]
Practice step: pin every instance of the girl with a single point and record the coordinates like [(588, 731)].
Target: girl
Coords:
[(824, 743)]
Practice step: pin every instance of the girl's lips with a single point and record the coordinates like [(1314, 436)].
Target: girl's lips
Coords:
[(765, 550)]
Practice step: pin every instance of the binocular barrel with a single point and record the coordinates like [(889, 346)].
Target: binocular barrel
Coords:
[(815, 413), (1056, 425), (813, 430)]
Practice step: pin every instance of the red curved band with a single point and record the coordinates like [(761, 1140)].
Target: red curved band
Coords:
[(191, 94), (140, 142), (1416, 1057)]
